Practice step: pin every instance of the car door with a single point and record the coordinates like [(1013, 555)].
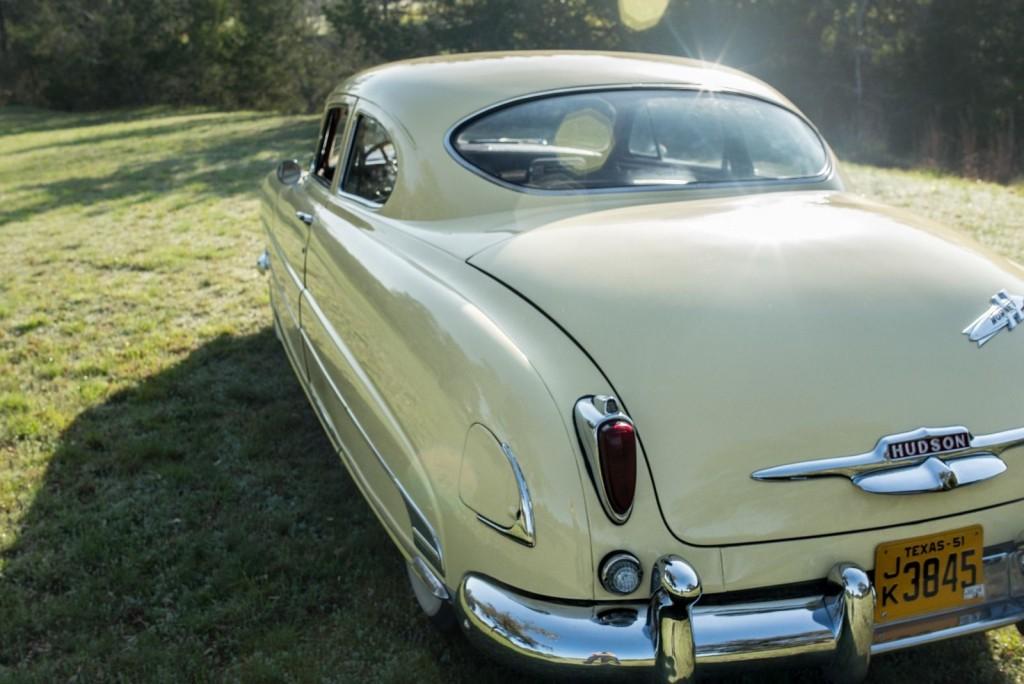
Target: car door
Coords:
[(345, 318), (293, 216)]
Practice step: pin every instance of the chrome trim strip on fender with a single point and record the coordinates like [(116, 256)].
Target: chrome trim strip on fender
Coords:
[(424, 536), (386, 519), (930, 468), (354, 364), (298, 365), (277, 284), (293, 355), (296, 279), (522, 530), (429, 579)]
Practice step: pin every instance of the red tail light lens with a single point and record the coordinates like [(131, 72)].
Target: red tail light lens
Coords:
[(616, 448)]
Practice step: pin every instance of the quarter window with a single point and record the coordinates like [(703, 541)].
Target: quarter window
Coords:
[(329, 145), (373, 163)]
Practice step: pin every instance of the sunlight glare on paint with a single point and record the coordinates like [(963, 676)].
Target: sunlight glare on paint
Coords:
[(640, 15)]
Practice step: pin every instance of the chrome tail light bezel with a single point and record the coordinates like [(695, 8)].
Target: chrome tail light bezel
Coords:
[(591, 414)]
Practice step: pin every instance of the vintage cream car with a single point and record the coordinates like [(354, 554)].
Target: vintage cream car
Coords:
[(631, 382)]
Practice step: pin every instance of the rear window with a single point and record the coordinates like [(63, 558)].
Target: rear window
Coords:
[(635, 138)]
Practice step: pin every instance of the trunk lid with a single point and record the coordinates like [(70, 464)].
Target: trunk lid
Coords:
[(748, 332)]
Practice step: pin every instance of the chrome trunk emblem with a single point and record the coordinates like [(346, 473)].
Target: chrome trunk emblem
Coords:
[(1007, 311), (910, 462)]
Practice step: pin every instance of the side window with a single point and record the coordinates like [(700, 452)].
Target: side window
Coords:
[(328, 150), (373, 163)]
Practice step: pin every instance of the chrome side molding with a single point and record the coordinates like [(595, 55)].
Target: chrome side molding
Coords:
[(431, 581), (424, 537), (922, 460)]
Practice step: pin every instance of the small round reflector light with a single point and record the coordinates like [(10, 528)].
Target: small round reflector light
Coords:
[(616, 448), (621, 573)]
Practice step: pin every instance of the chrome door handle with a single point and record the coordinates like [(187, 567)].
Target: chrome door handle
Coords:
[(304, 217)]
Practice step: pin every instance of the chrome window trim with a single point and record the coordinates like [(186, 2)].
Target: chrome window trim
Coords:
[(827, 173), (311, 170), (362, 201), (358, 114), (351, 103), (340, 104)]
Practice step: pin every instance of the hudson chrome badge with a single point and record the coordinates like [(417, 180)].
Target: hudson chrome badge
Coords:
[(926, 443), (1007, 311), (922, 460)]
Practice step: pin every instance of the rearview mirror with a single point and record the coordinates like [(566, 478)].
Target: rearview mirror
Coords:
[(289, 172)]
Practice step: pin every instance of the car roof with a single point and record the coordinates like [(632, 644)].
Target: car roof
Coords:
[(452, 87), (420, 102)]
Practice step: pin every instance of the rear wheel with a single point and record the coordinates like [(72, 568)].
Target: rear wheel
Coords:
[(438, 610)]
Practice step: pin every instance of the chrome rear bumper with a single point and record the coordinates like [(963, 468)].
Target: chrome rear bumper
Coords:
[(677, 634)]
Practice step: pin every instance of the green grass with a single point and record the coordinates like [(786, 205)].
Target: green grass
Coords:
[(169, 508)]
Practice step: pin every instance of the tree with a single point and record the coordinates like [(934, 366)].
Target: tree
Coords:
[(392, 30)]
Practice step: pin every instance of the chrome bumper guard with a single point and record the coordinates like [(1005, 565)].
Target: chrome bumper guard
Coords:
[(672, 637)]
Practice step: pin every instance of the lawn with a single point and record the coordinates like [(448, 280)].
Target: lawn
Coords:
[(169, 507)]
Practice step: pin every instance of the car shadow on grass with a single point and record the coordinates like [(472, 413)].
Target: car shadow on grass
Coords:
[(199, 527)]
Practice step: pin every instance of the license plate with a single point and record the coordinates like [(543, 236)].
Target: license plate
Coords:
[(929, 574)]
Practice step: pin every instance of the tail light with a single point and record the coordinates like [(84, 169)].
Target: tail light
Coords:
[(616, 451), (609, 443)]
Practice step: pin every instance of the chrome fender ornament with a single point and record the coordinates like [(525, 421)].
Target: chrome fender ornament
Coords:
[(923, 460), (1007, 311)]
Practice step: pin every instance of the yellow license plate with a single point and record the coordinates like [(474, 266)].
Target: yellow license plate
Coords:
[(929, 574)]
